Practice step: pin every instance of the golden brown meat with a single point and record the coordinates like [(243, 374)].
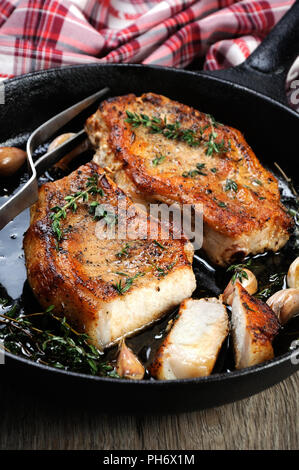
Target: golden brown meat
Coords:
[(162, 150), (192, 346), (254, 326), (108, 288)]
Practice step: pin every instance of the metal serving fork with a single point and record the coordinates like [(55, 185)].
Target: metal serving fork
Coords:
[(28, 194)]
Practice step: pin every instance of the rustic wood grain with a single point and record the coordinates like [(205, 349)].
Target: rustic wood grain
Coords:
[(268, 420)]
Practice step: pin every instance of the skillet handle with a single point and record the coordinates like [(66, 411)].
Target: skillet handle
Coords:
[(266, 69)]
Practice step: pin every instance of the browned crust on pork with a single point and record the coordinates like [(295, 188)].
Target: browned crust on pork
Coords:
[(256, 208), (262, 322), (68, 279)]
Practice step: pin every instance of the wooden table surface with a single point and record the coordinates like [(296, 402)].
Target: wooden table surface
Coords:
[(268, 420)]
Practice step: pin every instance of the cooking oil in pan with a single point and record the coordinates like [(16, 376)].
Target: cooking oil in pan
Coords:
[(269, 268)]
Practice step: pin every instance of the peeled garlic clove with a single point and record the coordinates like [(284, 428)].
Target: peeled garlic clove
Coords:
[(293, 274), (11, 160), (63, 163), (249, 283), (128, 365), (285, 303), (60, 140)]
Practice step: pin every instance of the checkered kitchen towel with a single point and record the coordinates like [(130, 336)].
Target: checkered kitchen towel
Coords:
[(41, 34)]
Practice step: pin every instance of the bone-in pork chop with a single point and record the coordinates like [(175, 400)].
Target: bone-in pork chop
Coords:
[(162, 150), (108, 288)]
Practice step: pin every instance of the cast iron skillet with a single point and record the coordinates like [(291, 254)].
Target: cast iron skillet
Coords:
[(251, 98)]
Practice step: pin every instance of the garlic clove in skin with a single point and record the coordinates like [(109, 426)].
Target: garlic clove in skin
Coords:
[(249, 283), (293, 274), (11, 160), (285, 304), (128, 364)]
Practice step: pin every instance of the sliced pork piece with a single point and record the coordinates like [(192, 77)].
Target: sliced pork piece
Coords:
[(108, 288), (192, 346), (254, 326), (162, 150)]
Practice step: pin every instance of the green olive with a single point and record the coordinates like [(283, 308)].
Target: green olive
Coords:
[(11, 160)]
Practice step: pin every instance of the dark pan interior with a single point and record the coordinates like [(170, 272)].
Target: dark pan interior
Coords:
[(268, 127)]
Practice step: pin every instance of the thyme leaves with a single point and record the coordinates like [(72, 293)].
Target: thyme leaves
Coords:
[(101, 213), (158, 160), (197, 171), (121, 287), (275, 283), (215, 147), (158, 125), (247, 307), (50, 340), (160, 245), (220, 203), (231, 185), (72, 200), (163, 271), (124, 251), (238, 271), (174, 131)]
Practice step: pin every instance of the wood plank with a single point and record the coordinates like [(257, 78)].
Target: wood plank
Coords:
[(268, 420)]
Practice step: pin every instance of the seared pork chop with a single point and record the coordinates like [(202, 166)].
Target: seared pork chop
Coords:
[(108, 288), (254, 326), (192, 346), (161, 150)]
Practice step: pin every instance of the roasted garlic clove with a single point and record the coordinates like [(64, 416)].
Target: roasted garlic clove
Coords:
[(249, 283), (285, 303), (63, 163), (293, 274), (128, 365), (11, 160)]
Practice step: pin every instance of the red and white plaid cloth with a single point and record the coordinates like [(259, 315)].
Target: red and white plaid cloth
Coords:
[(41, 34)]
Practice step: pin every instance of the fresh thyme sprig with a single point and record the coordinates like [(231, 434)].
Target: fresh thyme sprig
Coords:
[(247, 307), (219, 203), (174, 131), (239, 273), (120, 287), (216, 147), (275, 283), (163, 272), (211, 145), (3, 302), (46, 338), (158, 160), (123, 251), (214, 122), (157, 125), (160, 245), (195, 172), (231, 185), (59, 213), (101, 212)]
